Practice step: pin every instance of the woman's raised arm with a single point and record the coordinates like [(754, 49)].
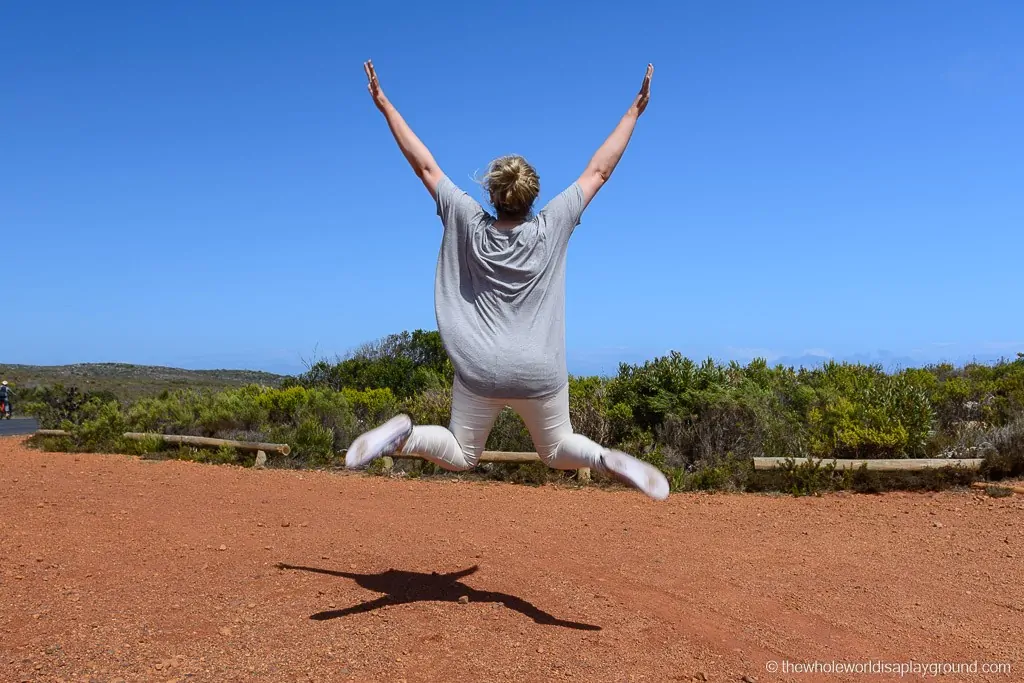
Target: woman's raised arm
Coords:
[(607, 156), (416, 153)]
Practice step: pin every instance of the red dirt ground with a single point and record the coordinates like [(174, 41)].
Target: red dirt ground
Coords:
[(117, 569)]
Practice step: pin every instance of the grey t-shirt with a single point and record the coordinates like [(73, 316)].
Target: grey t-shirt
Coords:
[(499, 295)]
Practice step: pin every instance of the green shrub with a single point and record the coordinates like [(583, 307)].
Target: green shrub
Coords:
[(730, 473), (432, 407), (189, 453), (863, 480), (678, 479), (588, 408), (808, 477), (533, 474), (1005, 452), (57, 405), (709, 479), (140, 447), (314, 443), (509, 433), (52, 444), (371, 407), (861, 412), (102, 427), (225, 455), (405, 364)]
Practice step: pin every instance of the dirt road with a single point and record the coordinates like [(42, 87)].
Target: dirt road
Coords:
[(116, 569)]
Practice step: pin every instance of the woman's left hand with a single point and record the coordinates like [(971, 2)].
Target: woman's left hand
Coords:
[(374, 86)]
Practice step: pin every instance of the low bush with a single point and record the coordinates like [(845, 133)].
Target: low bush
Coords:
[(1004, 451)]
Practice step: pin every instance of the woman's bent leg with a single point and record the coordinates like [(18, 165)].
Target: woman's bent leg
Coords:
[(548, 421), (459, 447)]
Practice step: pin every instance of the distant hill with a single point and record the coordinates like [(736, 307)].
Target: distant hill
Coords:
[(130, 381)]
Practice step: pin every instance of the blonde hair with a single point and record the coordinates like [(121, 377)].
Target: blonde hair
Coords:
[(513, 185)]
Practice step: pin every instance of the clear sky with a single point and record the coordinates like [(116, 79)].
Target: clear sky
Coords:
[(209, 184)]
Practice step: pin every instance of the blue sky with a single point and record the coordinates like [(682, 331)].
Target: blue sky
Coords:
[(208, 184)]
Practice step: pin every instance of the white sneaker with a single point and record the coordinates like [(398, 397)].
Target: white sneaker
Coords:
[(382, 440), (636, 473)]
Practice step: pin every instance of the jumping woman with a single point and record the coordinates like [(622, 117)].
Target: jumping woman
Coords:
[(499, 298)]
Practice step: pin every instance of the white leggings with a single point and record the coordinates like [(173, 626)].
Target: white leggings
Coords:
[(547, 419)]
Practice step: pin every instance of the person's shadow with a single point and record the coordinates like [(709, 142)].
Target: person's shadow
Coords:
[(400, 587)]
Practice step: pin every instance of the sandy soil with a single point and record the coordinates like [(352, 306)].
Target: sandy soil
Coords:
[(118, 569)]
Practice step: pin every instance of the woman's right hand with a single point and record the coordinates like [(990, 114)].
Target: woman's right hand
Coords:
[(644, 96)]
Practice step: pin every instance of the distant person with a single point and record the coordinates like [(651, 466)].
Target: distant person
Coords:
[(500, 305), (5, 400)]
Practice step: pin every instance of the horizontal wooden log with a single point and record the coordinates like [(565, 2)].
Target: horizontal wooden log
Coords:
[(51, 432), (508, 457), (985, 485), (894, 465), (206, 442), (504, 457)]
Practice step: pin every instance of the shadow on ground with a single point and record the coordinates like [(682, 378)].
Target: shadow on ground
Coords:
[(401, 587)]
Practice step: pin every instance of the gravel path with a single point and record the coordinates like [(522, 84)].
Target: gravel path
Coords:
[(118, 569)]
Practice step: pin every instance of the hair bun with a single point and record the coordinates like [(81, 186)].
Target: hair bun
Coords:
[(513, 185)]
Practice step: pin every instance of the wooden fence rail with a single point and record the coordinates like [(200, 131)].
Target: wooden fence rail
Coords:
[(202, 441), (206, 442), (895, 465)]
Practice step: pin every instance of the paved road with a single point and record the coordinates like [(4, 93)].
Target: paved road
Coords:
[(18, 425)]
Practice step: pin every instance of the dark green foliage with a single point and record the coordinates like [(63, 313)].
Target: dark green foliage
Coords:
[(53, 444), (56, 404), (405, 363), (808, 477), (533, 474), (315, 441), (863, 480), (220, 456), (509, 433)]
